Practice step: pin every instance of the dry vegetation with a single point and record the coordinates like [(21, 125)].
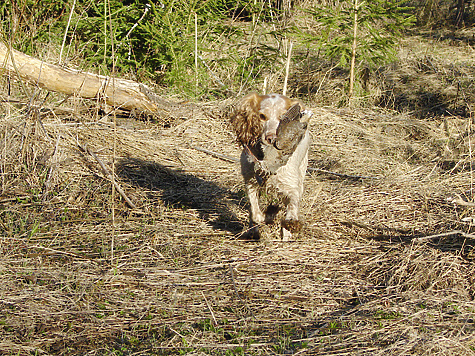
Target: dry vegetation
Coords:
[(385, 265)]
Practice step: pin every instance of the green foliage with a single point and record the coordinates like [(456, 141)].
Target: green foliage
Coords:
[(29, 22), (161, 45), (152, 40), (261, 57), (380, 25), (385, 315)]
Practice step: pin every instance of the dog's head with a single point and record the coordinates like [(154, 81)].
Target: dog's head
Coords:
[(257, 117)]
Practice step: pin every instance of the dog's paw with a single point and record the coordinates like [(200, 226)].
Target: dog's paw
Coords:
[(292, 225)]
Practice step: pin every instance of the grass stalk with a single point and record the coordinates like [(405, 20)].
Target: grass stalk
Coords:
[(374, 265), (353, 52), (287, 68), (105, 31), (114, 131), (196, 54), (66, 31)]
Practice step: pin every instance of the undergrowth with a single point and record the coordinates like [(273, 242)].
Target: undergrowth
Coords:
[(212, 49), (384, 265)]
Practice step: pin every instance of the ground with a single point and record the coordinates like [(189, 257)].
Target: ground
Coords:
[(383, 266)]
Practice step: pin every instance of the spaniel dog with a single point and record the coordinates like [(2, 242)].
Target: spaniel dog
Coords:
[(256, 120)]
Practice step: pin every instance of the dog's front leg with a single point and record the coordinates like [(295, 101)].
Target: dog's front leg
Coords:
[(257, 216), (291, 222), (293, 180)]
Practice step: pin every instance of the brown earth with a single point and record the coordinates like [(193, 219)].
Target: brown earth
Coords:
[(384, 264)]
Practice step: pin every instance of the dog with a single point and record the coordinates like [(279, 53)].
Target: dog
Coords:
[(256, 120)]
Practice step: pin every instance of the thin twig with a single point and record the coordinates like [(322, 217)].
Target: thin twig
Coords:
[(18, 198), (353, 51), (459, 201), (147, 9), (445, 234), (17, 72), (176, 332), (210, 309), (211, 72), (109, 176), (323, 79)]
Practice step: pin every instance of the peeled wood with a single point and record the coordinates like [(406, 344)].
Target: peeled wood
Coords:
[(120, 93)]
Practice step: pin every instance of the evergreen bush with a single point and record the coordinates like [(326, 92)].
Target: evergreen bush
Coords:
[(153, 40), (379, 25)]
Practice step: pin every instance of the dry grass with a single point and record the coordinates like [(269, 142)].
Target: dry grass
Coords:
[(359, 280)]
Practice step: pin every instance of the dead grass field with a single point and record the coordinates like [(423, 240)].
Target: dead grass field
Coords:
[(384, 266)]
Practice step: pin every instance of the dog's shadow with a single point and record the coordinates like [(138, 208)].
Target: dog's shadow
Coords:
[(180, 190)]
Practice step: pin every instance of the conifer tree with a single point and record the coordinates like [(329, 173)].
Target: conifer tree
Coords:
[(361, 33)]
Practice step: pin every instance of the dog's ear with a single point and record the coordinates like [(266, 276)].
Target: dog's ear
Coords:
[(252, 101), (246, 120)]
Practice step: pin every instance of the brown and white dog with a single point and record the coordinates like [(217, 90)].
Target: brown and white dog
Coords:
[(255, 121)]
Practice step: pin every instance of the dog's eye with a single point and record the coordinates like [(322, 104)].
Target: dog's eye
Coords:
[(262, 117)]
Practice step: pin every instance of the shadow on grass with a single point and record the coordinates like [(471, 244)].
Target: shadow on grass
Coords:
[(180, 190)]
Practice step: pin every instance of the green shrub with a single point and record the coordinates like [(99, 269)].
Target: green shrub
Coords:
[(28, 23), (380, 24)]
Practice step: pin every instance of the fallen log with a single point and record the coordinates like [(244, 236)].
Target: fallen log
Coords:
[(118, 93)]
